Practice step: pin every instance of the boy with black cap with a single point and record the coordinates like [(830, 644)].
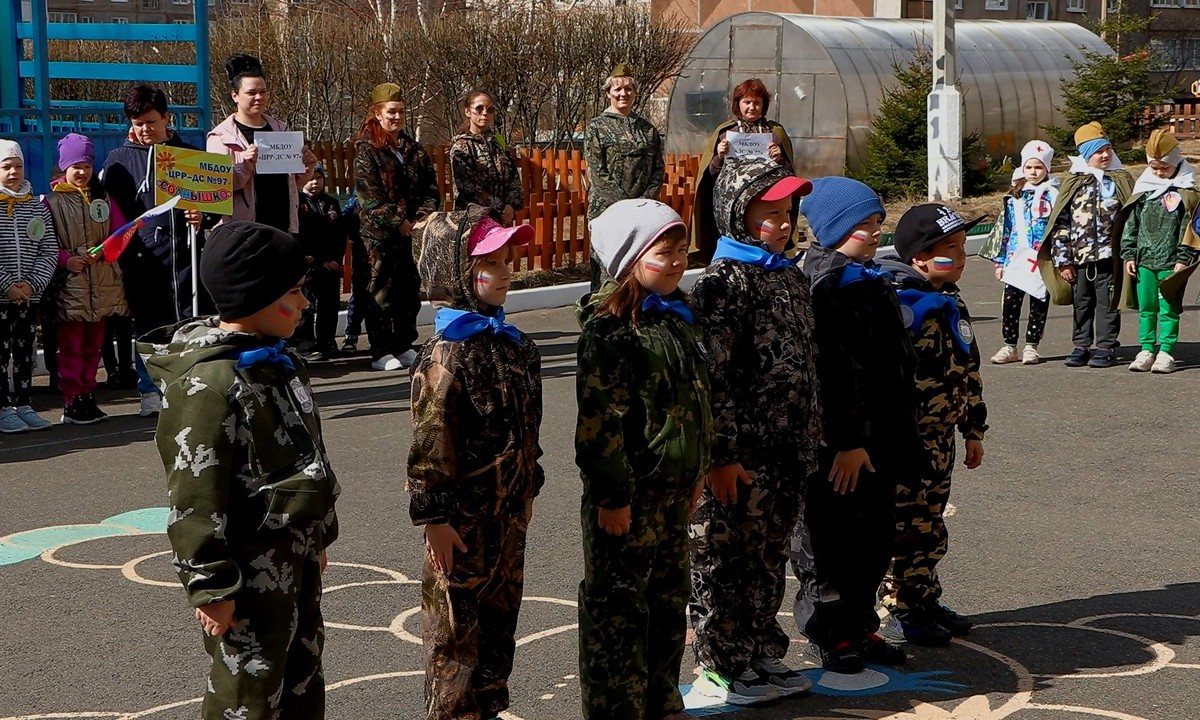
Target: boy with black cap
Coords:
[(931, 244), (754, 306), (865, 363), (252, 491)]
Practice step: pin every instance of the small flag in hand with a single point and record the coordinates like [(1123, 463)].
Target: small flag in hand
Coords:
[(115, 244)]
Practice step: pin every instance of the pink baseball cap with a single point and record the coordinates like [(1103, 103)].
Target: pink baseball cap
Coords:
[(787, 187), (489, 236)]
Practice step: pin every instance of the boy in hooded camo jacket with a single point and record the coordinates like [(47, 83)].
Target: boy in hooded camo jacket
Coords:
[(252, 491), (755, 307), (474, 469)]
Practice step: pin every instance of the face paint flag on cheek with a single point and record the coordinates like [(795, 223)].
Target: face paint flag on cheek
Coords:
[(943, 263), (653, 266)]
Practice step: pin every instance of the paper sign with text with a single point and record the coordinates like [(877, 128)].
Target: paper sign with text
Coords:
[(749, 144), (201, 180), (279, 153)]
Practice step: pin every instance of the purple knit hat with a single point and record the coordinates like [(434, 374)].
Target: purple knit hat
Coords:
[(75, 148)]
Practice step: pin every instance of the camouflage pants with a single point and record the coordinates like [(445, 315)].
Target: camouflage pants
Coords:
[(841, 550), (632, 604), (921, 538), (394, 288), (469, 620), (268, 665), (739, 568)]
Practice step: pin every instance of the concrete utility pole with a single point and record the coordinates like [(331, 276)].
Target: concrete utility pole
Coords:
[(944, 110)]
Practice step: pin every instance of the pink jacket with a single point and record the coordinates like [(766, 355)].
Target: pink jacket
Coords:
[(226, 139)]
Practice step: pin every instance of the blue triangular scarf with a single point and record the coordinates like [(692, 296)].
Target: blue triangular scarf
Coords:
[(730, 249), (857, 272), (922, 304), (458, 325), (272, 354), (656, 304)]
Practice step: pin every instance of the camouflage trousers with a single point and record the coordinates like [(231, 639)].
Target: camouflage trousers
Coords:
[(632, 604), (921, 539), (469, 620), (739, 568), (841, 550), (268, 665)]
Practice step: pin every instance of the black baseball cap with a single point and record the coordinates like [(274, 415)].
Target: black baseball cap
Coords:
[(924, 226)]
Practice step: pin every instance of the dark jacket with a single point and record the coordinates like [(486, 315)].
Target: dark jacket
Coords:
[(157, 266), (392, 187), (865, 359), (484, 173), (322, 233)]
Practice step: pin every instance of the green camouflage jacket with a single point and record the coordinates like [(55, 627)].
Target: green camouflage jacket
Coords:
[(476, 403), (624, 158), (393, 186), (243, 453), (644, 424), (484, 173)]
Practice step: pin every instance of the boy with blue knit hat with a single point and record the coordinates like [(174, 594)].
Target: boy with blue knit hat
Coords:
[(865, 364), (1081, 264)]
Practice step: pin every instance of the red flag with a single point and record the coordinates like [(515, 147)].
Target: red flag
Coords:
[(115, 244)]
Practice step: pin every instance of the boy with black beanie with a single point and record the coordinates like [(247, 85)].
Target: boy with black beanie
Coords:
[(252, 491)]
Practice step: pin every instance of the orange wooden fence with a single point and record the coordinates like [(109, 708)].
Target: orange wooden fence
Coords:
[(1183, 119), (555, 196)]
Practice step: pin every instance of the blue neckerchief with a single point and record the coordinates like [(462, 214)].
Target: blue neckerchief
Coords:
[(923, 303), (730, 249), (857, 272), (458, 325), (1108, 188), (655, 303), (272, 354)]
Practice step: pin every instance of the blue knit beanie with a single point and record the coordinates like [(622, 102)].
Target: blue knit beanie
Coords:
[(836, 205)]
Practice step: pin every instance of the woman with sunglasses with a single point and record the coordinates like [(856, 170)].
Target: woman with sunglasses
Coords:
[(482, 164)]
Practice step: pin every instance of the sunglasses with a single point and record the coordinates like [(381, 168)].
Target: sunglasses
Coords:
[(484, 109)]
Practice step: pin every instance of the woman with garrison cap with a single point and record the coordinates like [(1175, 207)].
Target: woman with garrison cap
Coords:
[(396, 186), (623, 151)]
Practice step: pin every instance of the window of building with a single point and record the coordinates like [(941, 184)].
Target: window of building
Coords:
[(1164, 3), (1114, 6), (182, 22), (62, 17), (182, 2), (995, 4), (120, 21), (1037, 10), (86, 20), (1076, 5), (150, 4), (1190, 3), (958, 4)]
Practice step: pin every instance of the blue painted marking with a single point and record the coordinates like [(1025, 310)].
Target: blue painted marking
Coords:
[(29, 544)]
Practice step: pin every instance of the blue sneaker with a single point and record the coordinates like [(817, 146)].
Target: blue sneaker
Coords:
[(31, 419), (11, 423), (1078, 357), (1104, 358)]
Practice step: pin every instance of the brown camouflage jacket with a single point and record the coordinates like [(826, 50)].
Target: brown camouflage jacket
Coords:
[(393, 186), (484, 173)]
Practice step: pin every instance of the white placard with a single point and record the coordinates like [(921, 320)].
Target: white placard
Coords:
[(279, 153), (1022, 271), (749, 144)]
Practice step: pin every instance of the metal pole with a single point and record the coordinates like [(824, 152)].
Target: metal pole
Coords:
[(203, 91), (194, 247), (41, 83), (944, 108)]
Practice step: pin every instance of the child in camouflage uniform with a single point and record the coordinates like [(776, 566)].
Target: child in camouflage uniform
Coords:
[(931, 243), (642, 444), (866, 364), (1159, 248), (754, 306), (473, 470), (252, 492), (1080, 264)]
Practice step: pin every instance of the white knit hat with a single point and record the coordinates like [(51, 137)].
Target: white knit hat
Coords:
[(9, 149), (622, 233), (1039, 150)]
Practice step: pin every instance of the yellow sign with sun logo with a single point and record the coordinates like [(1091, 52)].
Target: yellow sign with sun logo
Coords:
[(201, 180)]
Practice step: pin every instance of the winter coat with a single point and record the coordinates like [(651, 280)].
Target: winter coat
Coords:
[(227, 139), (476, 403), (393, 186), (28, 244), (624, 156), (242, 447), (865, 359), (1007, 233), (322, 232), (157, 266), (484, 173), (81, 224), (1157, 238), (644, 427)]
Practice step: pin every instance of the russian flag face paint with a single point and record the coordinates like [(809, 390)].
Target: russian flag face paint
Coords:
[(943, 263), (654, 266)]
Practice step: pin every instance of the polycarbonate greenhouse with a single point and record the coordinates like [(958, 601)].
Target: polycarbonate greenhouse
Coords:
[(828, 75)]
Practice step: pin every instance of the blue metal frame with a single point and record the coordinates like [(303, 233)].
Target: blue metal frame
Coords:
[(37, 122)]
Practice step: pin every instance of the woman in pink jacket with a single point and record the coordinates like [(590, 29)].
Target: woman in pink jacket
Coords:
[(267, 199)]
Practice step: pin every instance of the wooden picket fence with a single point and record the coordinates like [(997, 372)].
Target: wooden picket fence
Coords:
[(555, 196), (1183, 119)]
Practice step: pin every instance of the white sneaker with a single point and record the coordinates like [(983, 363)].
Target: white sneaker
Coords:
[(1143, 361), (747, 689), (1005, 355), (151, 405), (787, 681), (1163, 364), (407, 358), (1030, 356), (387, 362)]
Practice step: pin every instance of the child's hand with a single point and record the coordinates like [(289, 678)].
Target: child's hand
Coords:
[(723, 481), (323, 559), (999, 272), (1131, 268), (332, 266), (974, 454), (1180, 266), (774, 152), (1067, 272), (77, 264), (441, 541), (616, 522), (16, 294), (847, 464), (216, 618)]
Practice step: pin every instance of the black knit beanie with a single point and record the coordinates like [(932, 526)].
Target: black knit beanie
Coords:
[(247, 266)]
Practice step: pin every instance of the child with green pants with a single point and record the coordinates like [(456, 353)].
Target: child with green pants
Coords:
[(1159, 249)]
